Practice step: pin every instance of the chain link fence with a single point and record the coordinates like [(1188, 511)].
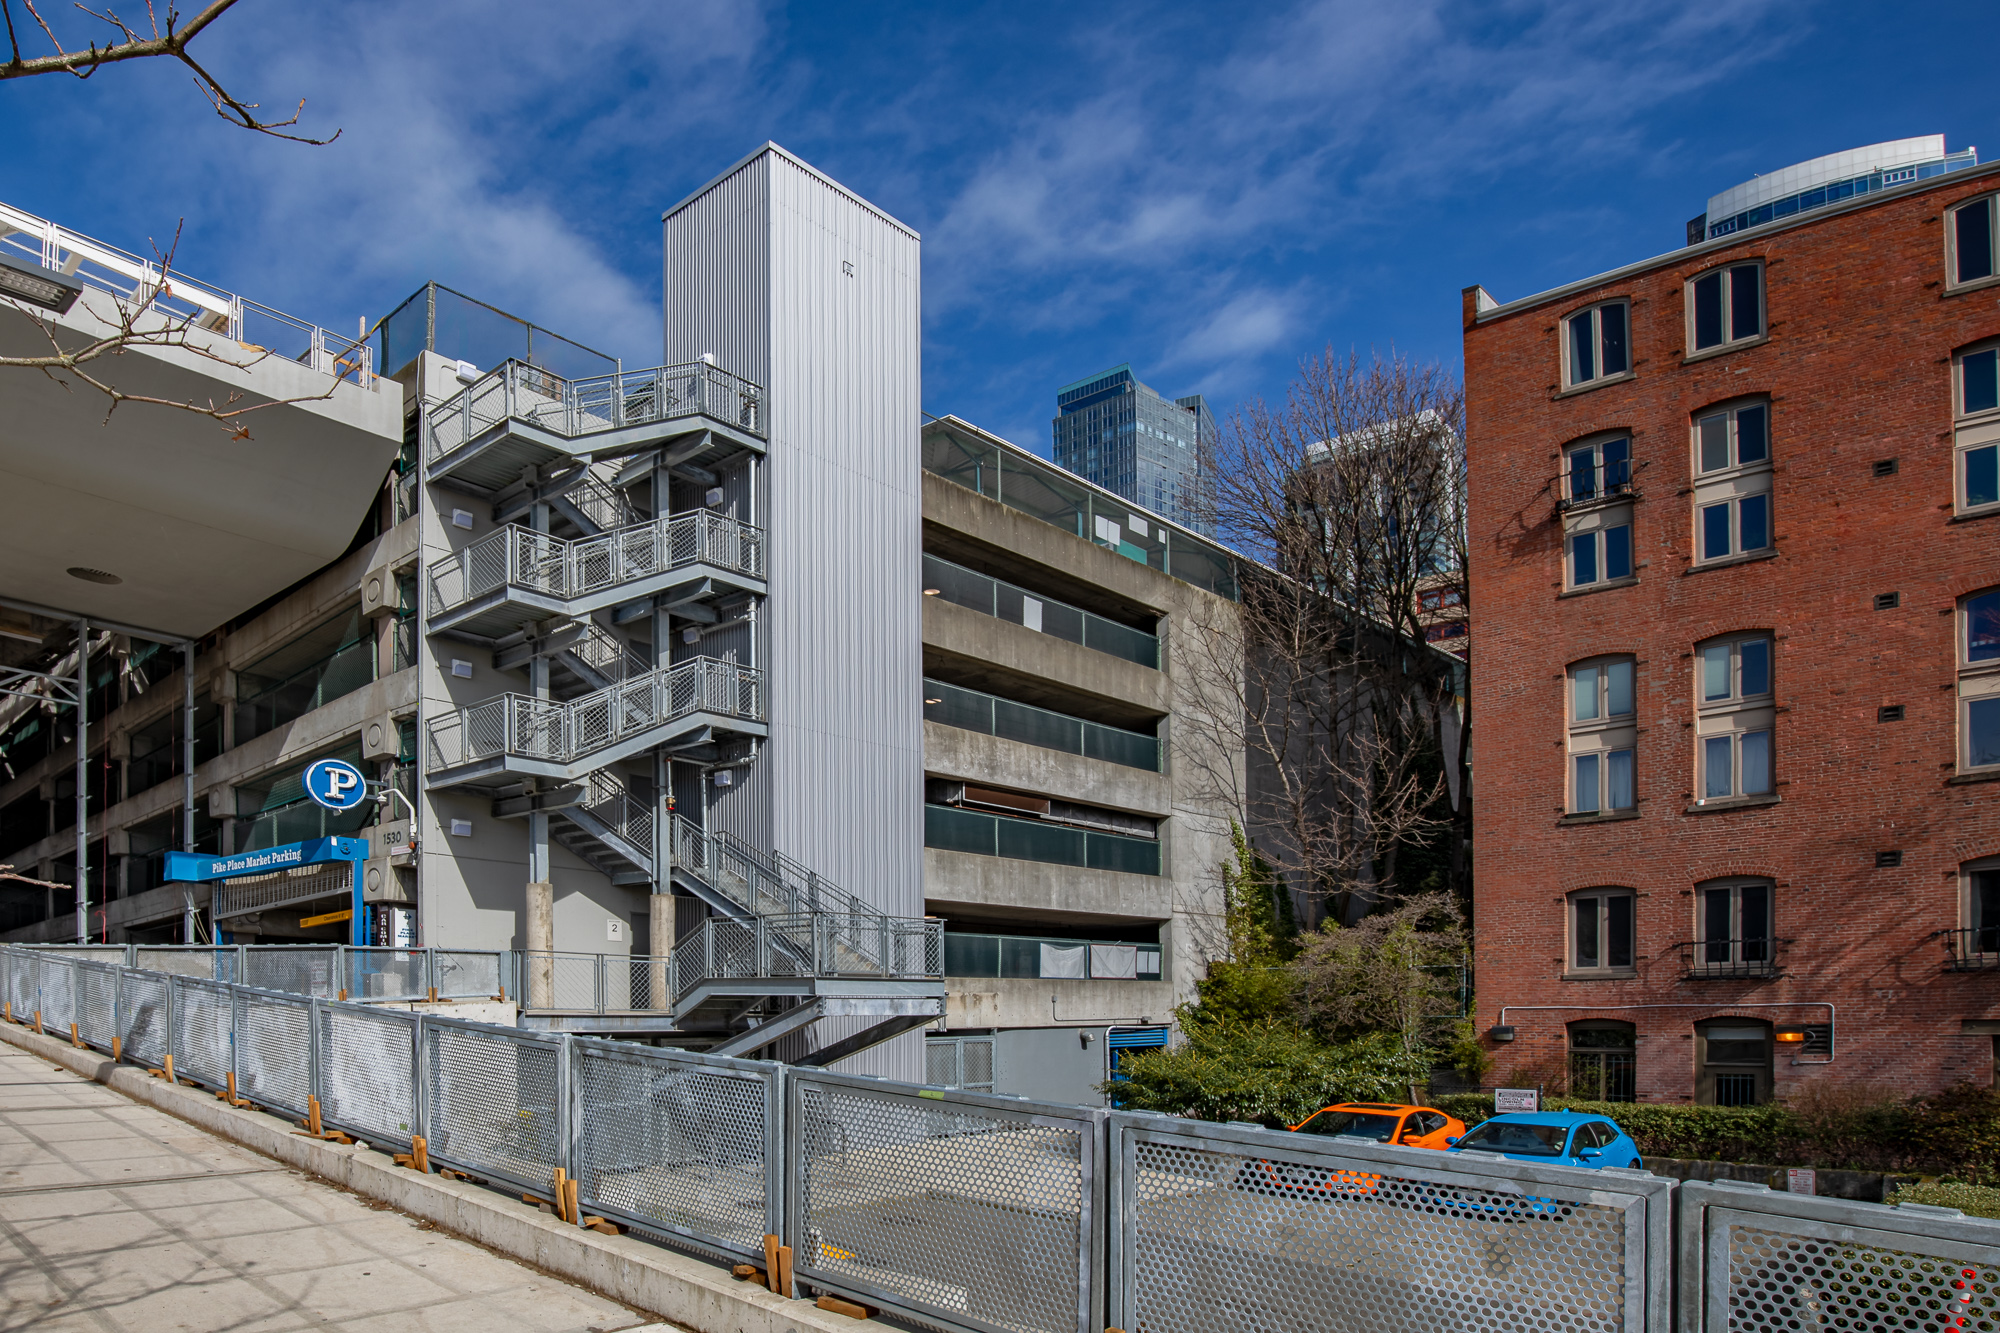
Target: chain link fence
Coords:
[(977, 1213)]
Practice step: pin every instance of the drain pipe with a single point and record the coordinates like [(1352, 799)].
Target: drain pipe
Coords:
[(83, 782)]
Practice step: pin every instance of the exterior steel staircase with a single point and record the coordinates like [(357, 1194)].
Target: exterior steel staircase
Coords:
[(518, 416), (566, 740), (514, 576)]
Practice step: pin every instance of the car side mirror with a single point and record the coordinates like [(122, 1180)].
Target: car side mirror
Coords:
[(1453, 1138)]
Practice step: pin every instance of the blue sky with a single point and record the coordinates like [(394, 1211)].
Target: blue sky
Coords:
[(1207, 192)]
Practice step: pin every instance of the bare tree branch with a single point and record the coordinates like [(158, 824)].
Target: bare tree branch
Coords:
[(1351, 492), (136, 322), (154, 41)]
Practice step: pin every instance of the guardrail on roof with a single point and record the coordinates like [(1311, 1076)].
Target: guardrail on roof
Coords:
[(256, 329)]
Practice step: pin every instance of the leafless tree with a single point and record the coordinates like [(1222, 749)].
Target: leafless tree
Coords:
[(119, 321), (1351, 495), (155, 41)]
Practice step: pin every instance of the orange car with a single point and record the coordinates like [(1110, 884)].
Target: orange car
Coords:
[(1410, 1126)]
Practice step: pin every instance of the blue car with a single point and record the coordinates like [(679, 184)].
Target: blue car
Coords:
[(1561, 1138)]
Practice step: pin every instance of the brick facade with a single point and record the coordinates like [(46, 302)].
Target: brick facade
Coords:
[(1857, 368)]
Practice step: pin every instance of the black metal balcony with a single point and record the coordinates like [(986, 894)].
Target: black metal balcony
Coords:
[(1974, 949), (1723, 960)]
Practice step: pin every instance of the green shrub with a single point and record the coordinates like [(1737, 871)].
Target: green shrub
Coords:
[(1972, 1200), (1269, 1072)]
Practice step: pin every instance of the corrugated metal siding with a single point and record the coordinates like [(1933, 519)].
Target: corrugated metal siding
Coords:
[(754, 273), (846, 522), (717, 280)]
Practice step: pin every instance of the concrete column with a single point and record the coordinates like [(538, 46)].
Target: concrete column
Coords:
[(661, 947), (540, 943)]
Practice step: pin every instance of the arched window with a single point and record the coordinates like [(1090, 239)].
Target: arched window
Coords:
[(1732, 1062), (1734, 715), (1603, 1058), (1979, 682), (1603, 735)]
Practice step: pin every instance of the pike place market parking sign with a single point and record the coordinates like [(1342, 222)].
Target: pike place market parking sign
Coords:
[(335, 784)]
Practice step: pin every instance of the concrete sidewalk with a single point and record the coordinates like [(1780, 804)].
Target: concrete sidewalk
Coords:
[(115, 1216)]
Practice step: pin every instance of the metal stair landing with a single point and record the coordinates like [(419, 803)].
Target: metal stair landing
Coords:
[(520, 417), (493, 743), (514, 576)]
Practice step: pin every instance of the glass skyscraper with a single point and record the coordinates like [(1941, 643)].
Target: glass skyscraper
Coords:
[(1113, 430)]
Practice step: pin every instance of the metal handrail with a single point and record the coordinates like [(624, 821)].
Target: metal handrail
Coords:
[(518, 557), (1971, 948), (201, 305), (573, 409), (1740, 959), (521, 726), (835, 945)]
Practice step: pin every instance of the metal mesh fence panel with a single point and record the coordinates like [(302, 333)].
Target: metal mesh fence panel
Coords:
[(461, 974), (274, 1050), (368, 1071), (385, 974), (293, 969), (1220, 1228), (494, 1101), (203, 1029), (142, 1012), (17, 979), (97, 1004), (58, 993), (678, 1143), (187, 961), (962, 1210), (1762, 1262)]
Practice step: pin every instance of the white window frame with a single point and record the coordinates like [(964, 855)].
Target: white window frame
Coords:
[(1732, 484), (1600, 898), (1739, 941), (1735, 717), (1974, 432), (1730, 338), (1978, 682), (1991, 202), (1603, 487), (1565, 345), (1593, 524), (1600, 738)]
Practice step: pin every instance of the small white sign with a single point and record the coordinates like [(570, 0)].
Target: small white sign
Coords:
[(1516, 1099), (1801, 1180), (614, 931), (1031, 614)]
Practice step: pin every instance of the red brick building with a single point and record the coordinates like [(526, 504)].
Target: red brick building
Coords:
[(1735, 592)]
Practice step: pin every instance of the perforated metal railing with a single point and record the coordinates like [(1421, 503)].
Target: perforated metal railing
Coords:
[(575, 409), (517, 557), (1756, 1261), (966, 1210), (519, 726), (986, 1214), (1340, 1234)]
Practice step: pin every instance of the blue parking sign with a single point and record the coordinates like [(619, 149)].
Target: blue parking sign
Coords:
[(335, 784)]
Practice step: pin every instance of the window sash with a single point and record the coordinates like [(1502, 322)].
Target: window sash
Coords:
[(1979, 475), (1972, 241), (1979, 381), (1728, 305), (1602, 932), (1598, 343)]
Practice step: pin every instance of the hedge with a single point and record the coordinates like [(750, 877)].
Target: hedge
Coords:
[(1972, 1200), (1954, 1132)]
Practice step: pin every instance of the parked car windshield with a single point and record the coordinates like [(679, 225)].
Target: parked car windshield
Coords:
[(1509, 1136), (1376, 1127)]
